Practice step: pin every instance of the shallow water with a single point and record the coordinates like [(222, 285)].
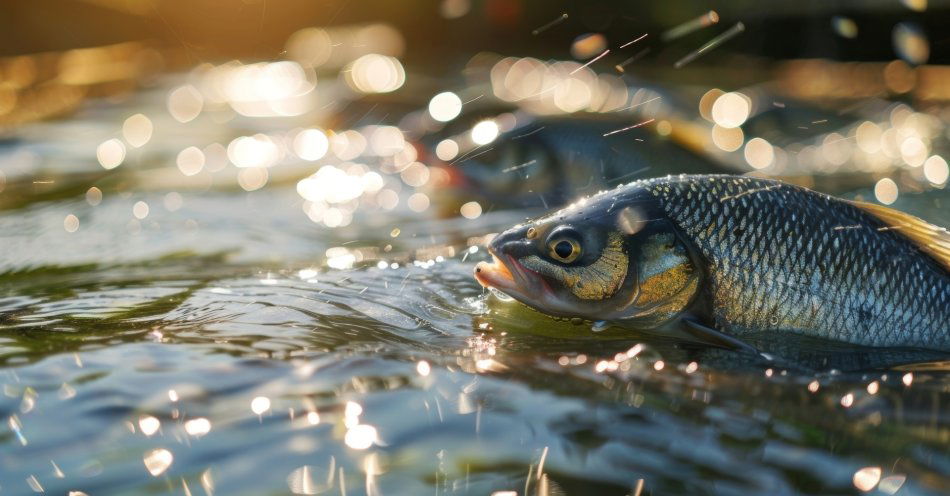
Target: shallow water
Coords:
[(114, 346), (226, 344)]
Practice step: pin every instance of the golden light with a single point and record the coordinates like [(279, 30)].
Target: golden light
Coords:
[(573, 92), (664, 128), (387, 199), (418, 202), (332, 185), (416, 175), (348, 145), (899, 77), (588, 45), (110, 153), (446, 150), (471, 210), (936, 170), (484, 132), (910, 43), (94, 196), (260, 404), (198, 427), (190, 161), (372, 182), (71, 223), (423, 368), (845, 27), (759, 153), (908, 378), (727, 139), (914, 151), (140, 210), (847, 400), (137, 130), (311, 144), (253, 151), (149, 425), (445, 106), (252, 178), (313, 418), (885, 191), (706, 103), (836, 149), (360, 436), (453, 9), (185, 103), (386, 141), (866, 479), (731, 109), (309, 46), (157, 461), (374, 73), (869, 137)]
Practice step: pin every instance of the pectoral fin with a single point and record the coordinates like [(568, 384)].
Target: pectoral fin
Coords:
[(715, 337)]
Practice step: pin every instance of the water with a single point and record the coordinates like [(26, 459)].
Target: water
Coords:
[(225, 343)]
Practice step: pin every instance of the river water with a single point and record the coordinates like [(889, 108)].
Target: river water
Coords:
[(173, 336)]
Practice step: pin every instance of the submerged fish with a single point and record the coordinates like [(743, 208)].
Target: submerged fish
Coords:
[(552, 160), (733, 256)]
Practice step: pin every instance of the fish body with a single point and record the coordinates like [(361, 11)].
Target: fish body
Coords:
[(743, 255), (552, 160)]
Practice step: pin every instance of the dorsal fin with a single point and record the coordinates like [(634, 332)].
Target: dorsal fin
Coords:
[(932, 240)]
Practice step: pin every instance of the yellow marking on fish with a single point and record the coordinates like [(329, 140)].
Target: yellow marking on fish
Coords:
[(597, 281)]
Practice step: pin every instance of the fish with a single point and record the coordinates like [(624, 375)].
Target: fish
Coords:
[(733, 256), (549, 161)]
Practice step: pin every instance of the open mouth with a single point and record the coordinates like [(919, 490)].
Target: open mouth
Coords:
[(495, 274)]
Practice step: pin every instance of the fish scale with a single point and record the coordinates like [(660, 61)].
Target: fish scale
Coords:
[(776, 261)]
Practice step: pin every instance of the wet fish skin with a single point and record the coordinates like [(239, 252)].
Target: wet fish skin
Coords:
[(783, 257), (742, 255)]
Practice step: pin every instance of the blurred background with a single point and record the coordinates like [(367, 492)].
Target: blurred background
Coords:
[(237, 239), (422, 104)]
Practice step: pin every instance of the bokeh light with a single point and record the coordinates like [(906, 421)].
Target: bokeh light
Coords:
[(445, 106), (110, 153), (484, 132), (374, 73), (731, 110), (311, 144)]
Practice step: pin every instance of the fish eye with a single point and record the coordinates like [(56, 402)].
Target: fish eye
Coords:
[(564, 249)]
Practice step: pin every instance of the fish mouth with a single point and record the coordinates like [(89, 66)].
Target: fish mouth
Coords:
[(509, 276), (495, 274)]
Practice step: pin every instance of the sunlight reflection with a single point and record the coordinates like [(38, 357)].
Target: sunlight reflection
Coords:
[(260, 405), (867, 478), (149, 425), (157, 461)]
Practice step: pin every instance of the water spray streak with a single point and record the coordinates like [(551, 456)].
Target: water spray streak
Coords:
[(550, 24), (629, 127), (591, 61), (631, 60), (705, 20), (625, 45), (731, 32)]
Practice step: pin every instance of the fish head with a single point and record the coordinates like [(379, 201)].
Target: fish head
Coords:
[(599, 261)]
